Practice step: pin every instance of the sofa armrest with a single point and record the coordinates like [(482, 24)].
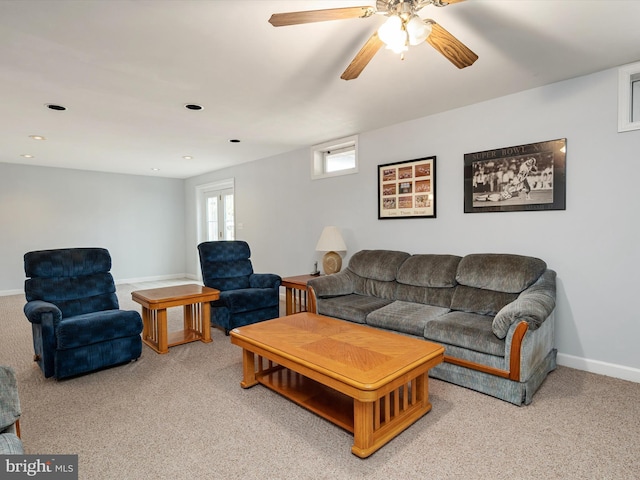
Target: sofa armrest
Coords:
[(334, 285), (36, 310), (264, 280), (533, 306), (9, 402)]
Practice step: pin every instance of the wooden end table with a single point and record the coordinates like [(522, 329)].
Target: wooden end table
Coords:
[(296, 293), (373, 383), (197, 314)]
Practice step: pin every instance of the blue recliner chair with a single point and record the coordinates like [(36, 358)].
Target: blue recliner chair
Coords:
[(245, 297), (74, 312)]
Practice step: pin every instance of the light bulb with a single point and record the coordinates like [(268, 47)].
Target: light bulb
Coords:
[(418, 30), (389, 29), (393, 34)]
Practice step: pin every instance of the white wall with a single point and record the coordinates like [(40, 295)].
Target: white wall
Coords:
[(593, 244), (140, 220)]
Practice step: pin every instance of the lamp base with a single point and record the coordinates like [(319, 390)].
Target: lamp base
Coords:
[(331, 263)]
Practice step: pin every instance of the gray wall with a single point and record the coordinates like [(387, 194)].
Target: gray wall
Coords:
[(139, 219), (593, 244), (149, 224)]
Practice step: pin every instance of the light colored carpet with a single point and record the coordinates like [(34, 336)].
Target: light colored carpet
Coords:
[(184, 416)]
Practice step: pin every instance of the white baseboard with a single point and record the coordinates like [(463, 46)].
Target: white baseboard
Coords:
[(5, 293), (601, 368)]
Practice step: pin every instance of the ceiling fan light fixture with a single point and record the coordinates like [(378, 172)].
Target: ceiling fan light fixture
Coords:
[(393, 34), (418, 30)]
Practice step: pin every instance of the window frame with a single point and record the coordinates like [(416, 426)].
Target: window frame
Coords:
[(627, 102), (318, 153)]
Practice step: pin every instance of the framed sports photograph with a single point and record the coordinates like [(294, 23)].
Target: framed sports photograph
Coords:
[(407, 189), (519, 178)]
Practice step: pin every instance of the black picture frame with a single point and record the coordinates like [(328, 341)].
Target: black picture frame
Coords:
[(529, 177), (407, 189)]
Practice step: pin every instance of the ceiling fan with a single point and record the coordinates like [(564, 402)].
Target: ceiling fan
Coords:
[(403, 28)]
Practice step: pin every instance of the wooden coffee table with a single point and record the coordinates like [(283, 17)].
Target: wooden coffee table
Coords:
[(197, 314), (371, 382)]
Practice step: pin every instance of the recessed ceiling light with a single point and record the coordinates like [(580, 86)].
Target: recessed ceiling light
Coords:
[(53, 106), (155, 169), (187, 157), (234, 140), (193, 106), (26, 155), (37, 137)]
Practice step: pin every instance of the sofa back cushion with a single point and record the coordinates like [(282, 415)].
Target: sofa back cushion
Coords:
[(375, 272), (489, 281), (428, 279)]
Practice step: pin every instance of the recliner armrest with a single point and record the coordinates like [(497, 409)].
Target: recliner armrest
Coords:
[(264, 280), (36, 309)]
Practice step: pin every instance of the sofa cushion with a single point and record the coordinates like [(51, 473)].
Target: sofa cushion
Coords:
[(477, 300), (500, 272), (406, 317), (429, 270), (375, 288), (440, 297), (465, 330), (350, 307), (379, 265)]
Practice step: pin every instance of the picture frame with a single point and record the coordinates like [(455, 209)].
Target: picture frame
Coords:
[(407, 189), (529, 177)]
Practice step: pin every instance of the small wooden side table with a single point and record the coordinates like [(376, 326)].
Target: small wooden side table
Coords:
[(296, 293), (197, 314)]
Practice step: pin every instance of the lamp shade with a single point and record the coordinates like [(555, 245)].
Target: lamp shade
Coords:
[(418, 30), (331, 240)]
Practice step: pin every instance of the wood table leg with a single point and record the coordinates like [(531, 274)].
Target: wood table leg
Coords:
[(146, 323), (362, 429), (248, 369), (205, 322), (188, 318), (288, 295), (163, 342)]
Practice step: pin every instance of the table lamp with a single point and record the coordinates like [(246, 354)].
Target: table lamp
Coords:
[(331, 241)]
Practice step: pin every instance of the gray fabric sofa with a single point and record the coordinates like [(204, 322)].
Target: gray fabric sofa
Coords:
[(10, 443), (493, 313)]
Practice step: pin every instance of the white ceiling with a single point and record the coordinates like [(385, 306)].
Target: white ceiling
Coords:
[(124, 69)]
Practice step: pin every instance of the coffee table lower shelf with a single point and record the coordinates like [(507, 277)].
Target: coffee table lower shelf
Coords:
[(372, 423), (320, 399)]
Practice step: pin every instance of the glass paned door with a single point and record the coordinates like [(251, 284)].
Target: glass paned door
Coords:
[(219, 215)]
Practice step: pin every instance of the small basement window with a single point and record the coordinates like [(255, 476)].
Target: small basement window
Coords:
[(629, 97), (338, 157)]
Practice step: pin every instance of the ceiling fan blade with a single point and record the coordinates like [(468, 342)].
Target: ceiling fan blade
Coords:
[(311, 16), (363, 57), (449, 46)]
